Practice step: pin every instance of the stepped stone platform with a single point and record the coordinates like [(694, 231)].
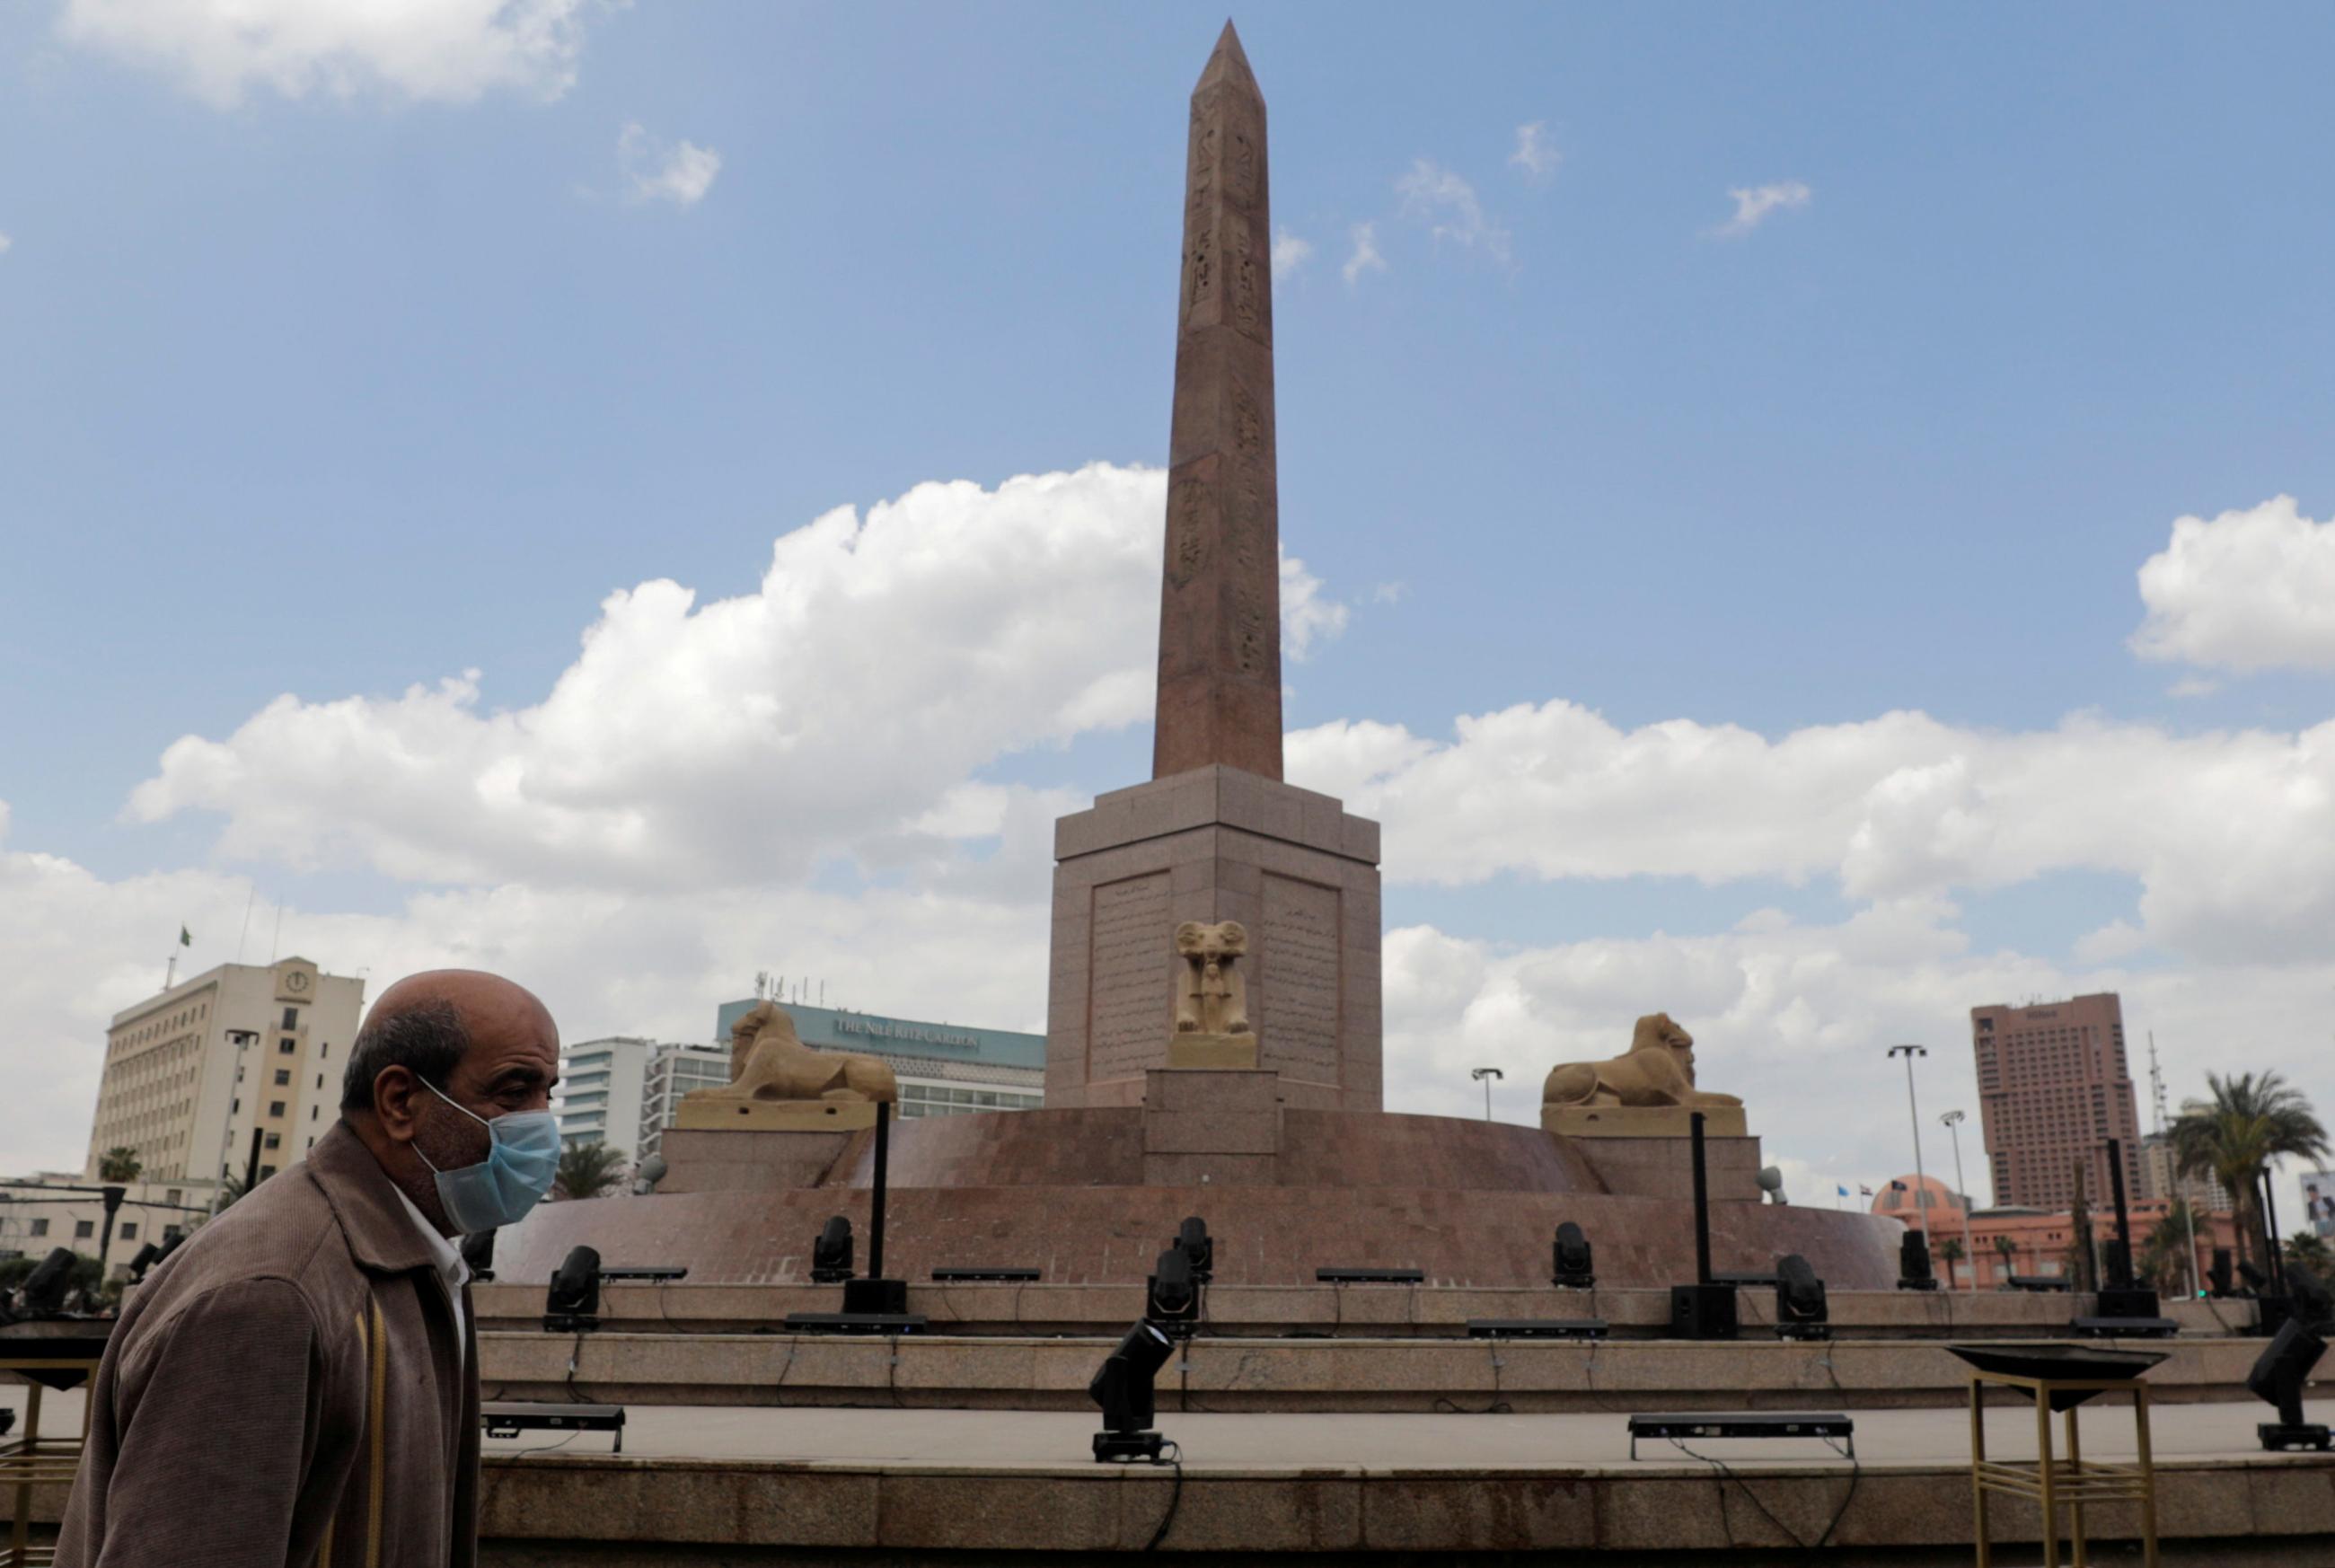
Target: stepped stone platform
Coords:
[(1090, 1195), (926, 1487)]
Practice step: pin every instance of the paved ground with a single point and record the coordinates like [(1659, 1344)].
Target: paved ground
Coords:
[(1008, 1439)]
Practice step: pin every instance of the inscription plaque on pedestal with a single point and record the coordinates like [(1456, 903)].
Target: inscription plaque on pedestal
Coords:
[(1131, 1002), (1298, 980)]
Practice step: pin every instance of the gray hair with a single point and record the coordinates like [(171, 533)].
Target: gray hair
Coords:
[(427, 1038)]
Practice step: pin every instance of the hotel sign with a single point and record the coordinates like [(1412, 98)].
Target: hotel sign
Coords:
[(907, 1034)]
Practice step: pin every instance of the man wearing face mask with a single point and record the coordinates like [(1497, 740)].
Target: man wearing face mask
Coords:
[(298, 1383)]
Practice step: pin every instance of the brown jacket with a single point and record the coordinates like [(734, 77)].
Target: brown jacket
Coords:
[(283, 1391)]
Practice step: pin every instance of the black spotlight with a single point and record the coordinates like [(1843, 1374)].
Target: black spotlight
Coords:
[(42, 1293), (1123, 1388), (1571, 1269), (830, 1255), (1199, 1247), (573, 1304), (144, 1258), (2257, 1282), (1913, 1271), (2277, 1377), (1801, 1312), (2218, 1279), (1171, 1297), (2314, 1305), (479, 1255)]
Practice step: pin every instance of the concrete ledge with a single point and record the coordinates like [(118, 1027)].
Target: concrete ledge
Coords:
[(909, 1510), (1283, 1311), (1249, 1375)]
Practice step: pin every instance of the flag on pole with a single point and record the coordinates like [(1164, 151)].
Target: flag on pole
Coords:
[(1863, 1191), (185, 939), (1844, 1191)]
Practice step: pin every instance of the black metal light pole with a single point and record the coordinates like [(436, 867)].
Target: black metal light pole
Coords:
[(105, 1235), (2270, 1223), (1702, 1202), (883, 1172)]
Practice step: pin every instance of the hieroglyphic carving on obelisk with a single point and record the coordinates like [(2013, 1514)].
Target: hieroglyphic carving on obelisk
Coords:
[(1220, 594)]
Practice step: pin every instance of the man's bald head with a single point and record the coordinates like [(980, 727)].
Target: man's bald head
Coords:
[(428, 1023)]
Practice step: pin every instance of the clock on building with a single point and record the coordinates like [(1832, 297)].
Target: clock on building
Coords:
[(296, 981)]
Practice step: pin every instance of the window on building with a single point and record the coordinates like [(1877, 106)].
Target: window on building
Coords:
[(276, 1108), (171, 1233), (291, 1018), (274, 1140), (85, 1228), (174, 1195), (283, 1075), (312, 1116), (287, 1045), (129, 1232), (265, 1171), (40, 1227)]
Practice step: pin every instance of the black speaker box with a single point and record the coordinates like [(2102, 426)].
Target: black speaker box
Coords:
[(888, 1296), (1702, 1312)]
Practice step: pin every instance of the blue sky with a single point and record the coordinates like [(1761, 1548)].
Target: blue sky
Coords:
[(353, 362)]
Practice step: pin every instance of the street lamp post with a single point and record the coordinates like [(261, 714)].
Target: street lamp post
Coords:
[(1485, 1075), (1954, 1120), (240, 1039), (1921, 1182)]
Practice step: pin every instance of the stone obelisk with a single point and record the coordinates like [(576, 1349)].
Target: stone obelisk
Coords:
[(1220, 594), (1217, 836)]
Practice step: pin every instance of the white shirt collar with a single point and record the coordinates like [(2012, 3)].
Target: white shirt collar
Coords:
[(444, 1256)]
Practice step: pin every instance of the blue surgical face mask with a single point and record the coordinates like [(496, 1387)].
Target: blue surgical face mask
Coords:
[(521, 1162)]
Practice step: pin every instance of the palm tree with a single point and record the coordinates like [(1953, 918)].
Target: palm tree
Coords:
[(2165, 1262), (2233, 1137), (2010, 1250), (1950, 1249), (588, 1170), (2305, 1250), (119, 1164)]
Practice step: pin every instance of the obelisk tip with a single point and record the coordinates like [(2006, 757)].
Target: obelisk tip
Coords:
[(1229, 63)]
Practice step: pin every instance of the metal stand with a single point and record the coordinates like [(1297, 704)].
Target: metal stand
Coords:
[(2055, 1481), (33, 1460)]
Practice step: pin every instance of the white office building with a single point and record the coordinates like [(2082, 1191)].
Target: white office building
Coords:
[(600, 1085)]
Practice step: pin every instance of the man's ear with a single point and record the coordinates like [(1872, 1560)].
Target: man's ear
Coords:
[(396, 1100)]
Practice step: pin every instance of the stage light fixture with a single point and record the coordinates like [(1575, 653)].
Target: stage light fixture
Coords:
[(2256, 1281), (1771, 1182), (1198, 1246), (42, 1293), (2277, 1377), (2218, 1279), (1171, 1298), (1571, 1267), (1801, 1311), (1123, 1388), (144, 1258), (830, 1254), (572, 1305), (1913, 1271), (479, 1256)]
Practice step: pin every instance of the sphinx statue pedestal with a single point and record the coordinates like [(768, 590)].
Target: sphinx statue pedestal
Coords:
[(699, 1114), (1222, 1052), (1641, 1121)]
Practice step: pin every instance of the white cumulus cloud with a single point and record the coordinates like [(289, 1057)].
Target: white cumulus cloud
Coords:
[(1365, 256), (653, 170), (1288, 253), (1754, 205), (2248, 590), (2230, 835), (1534, 153), (5, 243), (450, 50), (1450, 208), (883, 659)]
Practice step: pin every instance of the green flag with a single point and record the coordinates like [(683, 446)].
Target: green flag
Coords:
[(184, 939)]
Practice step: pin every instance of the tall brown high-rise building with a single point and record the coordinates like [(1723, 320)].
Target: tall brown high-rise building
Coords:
[(2053, 1089)]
